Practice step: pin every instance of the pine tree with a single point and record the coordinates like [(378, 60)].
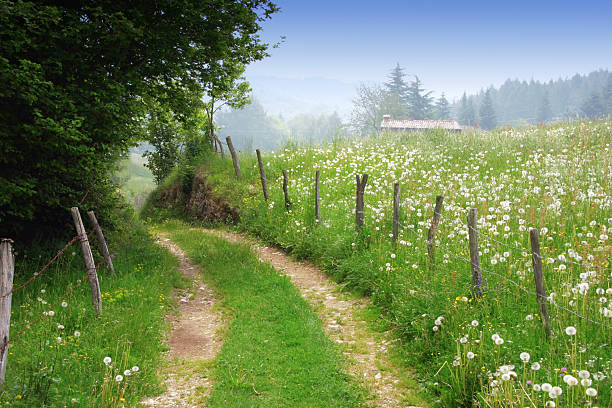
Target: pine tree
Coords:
[(442, 108), (396, 91), (607, 96), (419, 102), (466, 114), (488, 120), (593, 107), (544, 110)]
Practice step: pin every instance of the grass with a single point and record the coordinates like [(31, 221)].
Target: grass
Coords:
[(275, 351), (135, 179), (554, 178), (59, 361)]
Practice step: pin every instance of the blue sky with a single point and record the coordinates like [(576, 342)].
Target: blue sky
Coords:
[(452, 46)]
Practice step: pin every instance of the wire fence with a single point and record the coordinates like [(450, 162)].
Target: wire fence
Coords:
[(523, 250), (7, 273), (542, 298), (547, 299)]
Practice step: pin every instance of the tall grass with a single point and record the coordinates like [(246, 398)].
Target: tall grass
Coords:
[(555, 178), (60, 360)]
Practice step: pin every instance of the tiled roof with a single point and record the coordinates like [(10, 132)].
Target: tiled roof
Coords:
[(420, 124)]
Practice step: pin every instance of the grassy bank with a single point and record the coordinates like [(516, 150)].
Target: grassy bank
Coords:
[(554, 178), (275, 353), (59, 361)]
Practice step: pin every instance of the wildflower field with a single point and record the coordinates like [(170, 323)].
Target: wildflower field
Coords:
[(490, 350)]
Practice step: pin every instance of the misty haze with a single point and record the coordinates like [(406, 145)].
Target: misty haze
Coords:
[(309, 204)]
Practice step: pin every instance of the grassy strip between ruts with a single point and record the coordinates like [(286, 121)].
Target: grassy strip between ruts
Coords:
[(275, 352), (60, 360)]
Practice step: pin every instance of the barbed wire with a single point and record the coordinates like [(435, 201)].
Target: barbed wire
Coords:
[(37, 274), (70, 289), (518, 285), (44, 268), (522, 250)]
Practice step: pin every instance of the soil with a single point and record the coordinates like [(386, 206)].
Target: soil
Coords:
[(366, 353), (194, 340)]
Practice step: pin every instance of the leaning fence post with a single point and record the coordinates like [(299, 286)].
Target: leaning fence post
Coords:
[(286, 189), (431, 234), (536, 259), (317, 196), (96, 297), (101, 240), (396, 209), (230, 146), (262, 175), (7, 267), (474, 254), (361, 184)]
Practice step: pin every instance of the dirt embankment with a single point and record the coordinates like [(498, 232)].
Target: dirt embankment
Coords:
[(194, 197)]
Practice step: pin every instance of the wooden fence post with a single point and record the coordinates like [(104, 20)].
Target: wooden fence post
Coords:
[(396, 210), (96, 297), (102, 241), (431, 234), (317, 196), (536, 259), (262, 175), (286, 189), (474, 254), (7, 267), (361, 184), (230, 146)]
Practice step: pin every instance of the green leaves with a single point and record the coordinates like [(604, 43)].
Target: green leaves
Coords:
[(73, 79)]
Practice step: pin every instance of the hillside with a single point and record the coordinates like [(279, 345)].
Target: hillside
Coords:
[(490, 346)]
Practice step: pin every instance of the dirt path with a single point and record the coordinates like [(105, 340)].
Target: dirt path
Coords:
[(194, 340), (367, 358)]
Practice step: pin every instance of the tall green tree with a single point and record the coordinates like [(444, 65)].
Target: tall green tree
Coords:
[(420, 103), (544, 110), (397, 93), (74, 78), (488, 119), (466, 114), (442, 108)]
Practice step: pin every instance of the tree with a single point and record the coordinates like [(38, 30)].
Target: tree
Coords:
[(232, 91), (74, 78), (397, 93), (544, 110), (488, 120), (367, 109), (442, 108), (250, 127), (607, 95), (419, 101), (593, 107), (466, 114)]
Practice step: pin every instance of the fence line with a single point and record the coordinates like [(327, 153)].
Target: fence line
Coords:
[(7, 274), (523, 250), (37, 274), (518, 285), (431, 242)]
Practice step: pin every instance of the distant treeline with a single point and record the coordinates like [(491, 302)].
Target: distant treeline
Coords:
[(514, 103), (521, 102), (252, 128)]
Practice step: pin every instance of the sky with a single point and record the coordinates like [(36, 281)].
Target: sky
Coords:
[(453, 46)]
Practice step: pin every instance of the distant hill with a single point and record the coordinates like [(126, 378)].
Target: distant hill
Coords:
[(291, 96)]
